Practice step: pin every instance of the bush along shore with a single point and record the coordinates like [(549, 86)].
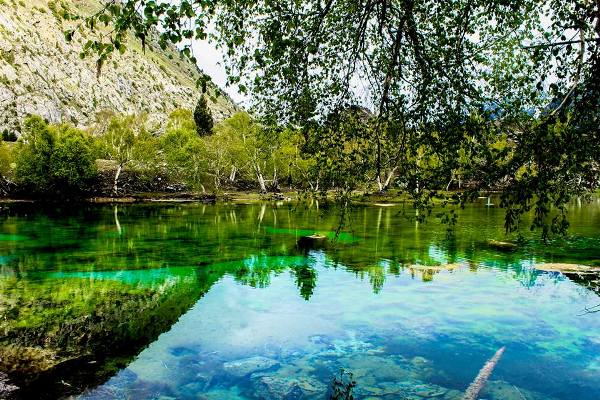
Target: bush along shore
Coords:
[(125, 158)]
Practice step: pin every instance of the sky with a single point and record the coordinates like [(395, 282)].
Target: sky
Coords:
[(210, 60)]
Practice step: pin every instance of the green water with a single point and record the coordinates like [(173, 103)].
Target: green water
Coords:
[(219, 302)]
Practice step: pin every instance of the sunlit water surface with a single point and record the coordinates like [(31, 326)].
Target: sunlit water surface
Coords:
[(219, 302)]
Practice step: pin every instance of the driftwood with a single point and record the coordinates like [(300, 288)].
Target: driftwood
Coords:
[(477, 385)]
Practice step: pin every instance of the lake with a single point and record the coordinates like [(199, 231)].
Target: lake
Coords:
[(193, 301)]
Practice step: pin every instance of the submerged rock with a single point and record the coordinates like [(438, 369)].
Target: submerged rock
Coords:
[(283, 387), (502, 246), (382, 369), (506, 391), (247, 366), (568, 268), (314, 241)]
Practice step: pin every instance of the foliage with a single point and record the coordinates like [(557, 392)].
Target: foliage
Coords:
[(6, 159), (446, 83), (127, 141), (183, 150), (54, 160), (203, 118)]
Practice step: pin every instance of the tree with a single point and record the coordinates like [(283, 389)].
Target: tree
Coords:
[(128, 143), (54, 160), (203, 118), (184, 151), (73, 161), (259, 148), (34, 153), (6, 159), (441, 77), (181, 119)]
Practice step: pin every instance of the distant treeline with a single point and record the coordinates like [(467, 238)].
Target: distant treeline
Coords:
[(51, 160), (120, 154)]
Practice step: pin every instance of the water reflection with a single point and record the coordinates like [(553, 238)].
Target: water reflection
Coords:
[(83, 294)]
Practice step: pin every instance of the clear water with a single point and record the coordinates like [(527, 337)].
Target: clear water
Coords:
[(219, 302)]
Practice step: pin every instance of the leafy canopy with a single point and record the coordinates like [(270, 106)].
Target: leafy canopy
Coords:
[(498, 94), (54, 160)]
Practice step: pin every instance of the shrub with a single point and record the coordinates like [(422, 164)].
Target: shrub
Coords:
[(73, 165), (54, 161)]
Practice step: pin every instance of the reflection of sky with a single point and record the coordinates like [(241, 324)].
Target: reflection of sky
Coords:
[(472, 313), (438, 255)]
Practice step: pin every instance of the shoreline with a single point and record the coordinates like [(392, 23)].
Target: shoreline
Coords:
[(358, 198)]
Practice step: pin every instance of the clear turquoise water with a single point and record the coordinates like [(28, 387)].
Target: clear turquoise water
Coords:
[(217, 302)]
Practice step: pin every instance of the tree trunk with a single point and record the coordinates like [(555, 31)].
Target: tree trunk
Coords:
[(275, 183), (261, 179), (116, 182), (232, 174), (384, 186), (473, 390), (261, 182)]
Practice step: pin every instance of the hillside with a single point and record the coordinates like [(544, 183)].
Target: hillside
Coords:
[(40, 73)]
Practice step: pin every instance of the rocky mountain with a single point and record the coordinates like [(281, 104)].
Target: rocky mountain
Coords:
[(41, 73)]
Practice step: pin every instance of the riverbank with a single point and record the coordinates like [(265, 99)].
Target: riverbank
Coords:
[(390, 198)]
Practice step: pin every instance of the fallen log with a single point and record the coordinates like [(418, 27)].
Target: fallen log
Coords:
[(481, 379)]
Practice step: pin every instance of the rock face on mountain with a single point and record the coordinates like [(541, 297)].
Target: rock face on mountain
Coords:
[(41, 73)]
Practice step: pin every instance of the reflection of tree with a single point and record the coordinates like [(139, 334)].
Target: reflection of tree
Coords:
[(589, 281), (306, 280), (254, 276), (257, 271), (376, 277)]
